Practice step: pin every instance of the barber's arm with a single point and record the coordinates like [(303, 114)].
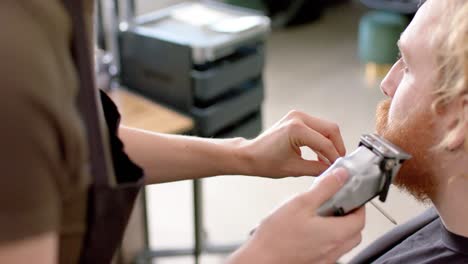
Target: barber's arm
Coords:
[(276, 153), (41, 249), (294, 234)]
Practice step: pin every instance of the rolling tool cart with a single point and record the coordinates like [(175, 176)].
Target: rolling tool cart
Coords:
[(205, 60)]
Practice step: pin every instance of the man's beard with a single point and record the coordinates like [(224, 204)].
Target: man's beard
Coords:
[(414, 135)]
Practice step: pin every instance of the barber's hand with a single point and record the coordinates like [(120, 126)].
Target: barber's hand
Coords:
[(276, 153), (294, 234)]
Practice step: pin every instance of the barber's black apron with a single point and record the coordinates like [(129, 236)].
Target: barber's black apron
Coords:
[(109, 206)]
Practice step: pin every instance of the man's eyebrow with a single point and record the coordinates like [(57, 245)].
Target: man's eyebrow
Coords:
[(399, 45)]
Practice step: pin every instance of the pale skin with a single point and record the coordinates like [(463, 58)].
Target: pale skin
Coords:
[(409, 85), (276, 154)]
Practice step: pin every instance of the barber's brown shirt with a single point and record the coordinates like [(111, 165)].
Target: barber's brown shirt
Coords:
[(42, 145)]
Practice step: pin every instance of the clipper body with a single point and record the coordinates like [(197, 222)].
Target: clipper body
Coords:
[(372, 168)]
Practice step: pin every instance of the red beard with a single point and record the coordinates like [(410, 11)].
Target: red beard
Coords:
[(414, 136)]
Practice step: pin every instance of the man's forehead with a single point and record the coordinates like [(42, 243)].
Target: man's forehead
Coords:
[(423, 25)]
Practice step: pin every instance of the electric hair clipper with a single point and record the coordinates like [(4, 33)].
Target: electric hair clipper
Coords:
[(372, 168)]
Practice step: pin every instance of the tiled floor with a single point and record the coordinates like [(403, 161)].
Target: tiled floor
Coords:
[(313, 68)]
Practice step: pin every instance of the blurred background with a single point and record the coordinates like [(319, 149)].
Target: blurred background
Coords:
[(324, 58)]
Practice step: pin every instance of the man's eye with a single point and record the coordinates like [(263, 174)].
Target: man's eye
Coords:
[(404, 67)]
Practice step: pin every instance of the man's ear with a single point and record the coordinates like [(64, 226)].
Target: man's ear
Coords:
[(458, 135)]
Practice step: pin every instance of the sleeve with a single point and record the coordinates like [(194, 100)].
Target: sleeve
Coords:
[(30, 153), (28, 192), (125, 169)]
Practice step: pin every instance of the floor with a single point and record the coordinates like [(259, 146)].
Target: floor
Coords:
[(312, 68)]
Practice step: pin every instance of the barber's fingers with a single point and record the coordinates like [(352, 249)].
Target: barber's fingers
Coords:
[(349, 225), (329, 130), (325, 188), (302, 167), (345, 232), (305, 136), (326, 128), (322, 159)]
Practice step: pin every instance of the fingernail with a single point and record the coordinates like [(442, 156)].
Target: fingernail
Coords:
[(341, 175)]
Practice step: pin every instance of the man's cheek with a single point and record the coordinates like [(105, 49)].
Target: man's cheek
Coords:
[(399, 111), (404, 102)]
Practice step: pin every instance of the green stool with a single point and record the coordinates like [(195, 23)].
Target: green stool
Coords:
[(379, 32)]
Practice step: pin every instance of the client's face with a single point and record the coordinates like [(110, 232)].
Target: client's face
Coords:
[(406, 118)]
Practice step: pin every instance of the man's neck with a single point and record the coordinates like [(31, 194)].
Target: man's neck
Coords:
[(452, 204)]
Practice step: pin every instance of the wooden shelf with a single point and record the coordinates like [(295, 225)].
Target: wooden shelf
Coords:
[(142, 113)]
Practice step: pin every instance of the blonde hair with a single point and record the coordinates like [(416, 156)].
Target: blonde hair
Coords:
[(452, 58)]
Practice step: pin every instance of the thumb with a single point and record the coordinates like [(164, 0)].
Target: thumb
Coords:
[(326, 186)]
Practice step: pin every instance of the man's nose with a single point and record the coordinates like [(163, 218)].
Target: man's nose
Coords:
[(390, 82), (383, 86)]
